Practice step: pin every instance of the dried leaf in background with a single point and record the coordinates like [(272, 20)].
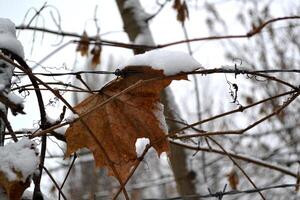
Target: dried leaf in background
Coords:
[(83, 45), (182, 10), (233, 179), (117, 124), (96, 53)]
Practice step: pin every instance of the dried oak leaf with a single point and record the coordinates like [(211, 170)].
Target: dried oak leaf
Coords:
[(118, 123), (14, 189), (83, 45)]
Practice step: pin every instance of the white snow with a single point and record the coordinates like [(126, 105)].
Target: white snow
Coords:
[(50, 120), (172, 62), (19, 157), (15, 99), (8, 39), (27, 195), (140, 145), (61, 130), (144, 38), (72, 117), (159, 114)]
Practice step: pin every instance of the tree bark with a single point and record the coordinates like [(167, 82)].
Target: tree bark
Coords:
[(135, 23)]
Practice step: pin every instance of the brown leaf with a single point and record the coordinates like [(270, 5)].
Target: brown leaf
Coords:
[(13, 189), (182, 10), (177, 4), (96, 52), (233, 179), (119, 123), (83, 45)]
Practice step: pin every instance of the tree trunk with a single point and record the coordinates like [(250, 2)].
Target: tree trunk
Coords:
[(135, 23)]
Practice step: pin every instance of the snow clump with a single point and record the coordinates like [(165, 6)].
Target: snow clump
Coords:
[(172, 62), (19, 157), (8, 39)]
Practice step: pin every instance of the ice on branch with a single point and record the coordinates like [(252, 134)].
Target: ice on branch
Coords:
[(8, 39), (19, 160), (172, 62)]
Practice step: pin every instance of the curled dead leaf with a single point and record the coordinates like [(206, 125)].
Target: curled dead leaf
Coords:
[(83, 45), (182, 10), (96, 53), (123, 119)]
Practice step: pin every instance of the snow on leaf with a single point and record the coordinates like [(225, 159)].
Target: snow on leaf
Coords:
[(171, 62), (119, 123), (18, 162)]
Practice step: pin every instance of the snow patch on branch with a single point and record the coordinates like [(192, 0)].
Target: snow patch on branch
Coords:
[(172, 62), (15, 99), (20, 157), (8, 39)]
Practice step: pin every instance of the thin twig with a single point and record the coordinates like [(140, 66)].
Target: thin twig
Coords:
[(67, 175), (240, 157), (250, 34), (229, 193), (238, 166), (55, 183)]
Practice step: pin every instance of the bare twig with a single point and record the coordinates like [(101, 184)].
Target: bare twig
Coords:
[(250, 34), (239, 157)]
